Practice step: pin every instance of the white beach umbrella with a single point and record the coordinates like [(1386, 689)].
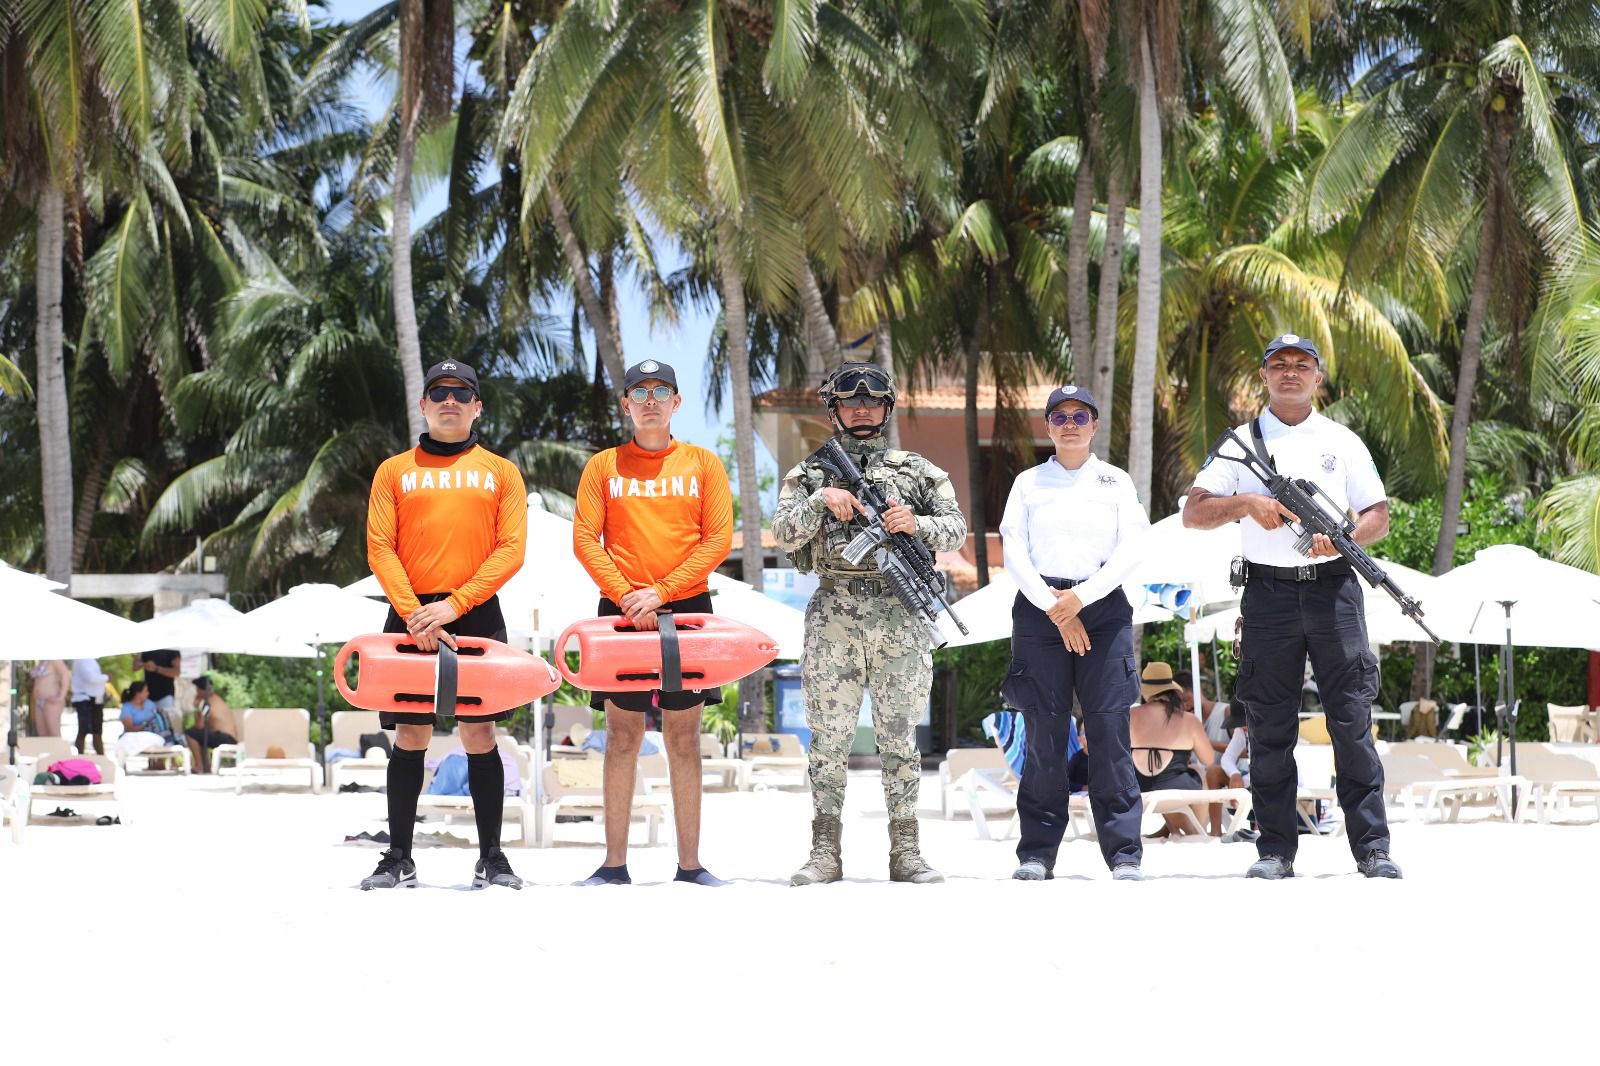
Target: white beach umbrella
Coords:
[(38, 622), (987, 613), (1511, 596), (213, 625), (317, 614)]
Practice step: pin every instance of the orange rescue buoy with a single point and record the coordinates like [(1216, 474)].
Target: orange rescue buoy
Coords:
[(690, 651), (483, 677)]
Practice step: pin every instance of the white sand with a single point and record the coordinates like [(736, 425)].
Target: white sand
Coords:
[(1488, 946)]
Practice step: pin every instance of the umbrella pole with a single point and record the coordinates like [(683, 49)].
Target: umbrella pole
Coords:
[(1477, 686), (322, 707), (1511, 701), (11, 717), (1216, 666)]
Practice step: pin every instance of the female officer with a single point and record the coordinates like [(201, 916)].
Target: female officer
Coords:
[(1072, 530)]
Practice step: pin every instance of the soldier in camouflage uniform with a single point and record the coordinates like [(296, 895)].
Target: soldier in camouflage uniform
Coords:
[(858, 635)]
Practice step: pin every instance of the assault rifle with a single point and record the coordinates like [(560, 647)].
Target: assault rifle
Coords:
[(903, 560), (1301, 495)]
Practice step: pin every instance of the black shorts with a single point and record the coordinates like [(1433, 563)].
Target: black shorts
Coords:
[(484, 620), (209, 739), (655, 699), (91, 716)]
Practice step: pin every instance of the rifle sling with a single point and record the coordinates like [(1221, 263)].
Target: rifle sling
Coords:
[(1261, 444)]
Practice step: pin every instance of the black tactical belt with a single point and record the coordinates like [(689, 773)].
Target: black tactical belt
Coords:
[(860, 586), (1309, 572), (1060, 582)]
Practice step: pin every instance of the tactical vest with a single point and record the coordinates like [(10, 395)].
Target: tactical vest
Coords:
[(897, 475)]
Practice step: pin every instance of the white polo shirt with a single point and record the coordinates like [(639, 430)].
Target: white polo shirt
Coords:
[(1084, 524), (1318, 449)]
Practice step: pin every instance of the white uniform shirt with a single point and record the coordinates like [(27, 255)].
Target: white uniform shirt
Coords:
[(1084, 524), (88, 680), (1319, 449)]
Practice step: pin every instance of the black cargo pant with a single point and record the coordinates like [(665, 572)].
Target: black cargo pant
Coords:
[(1284, 621), (1041, 682)]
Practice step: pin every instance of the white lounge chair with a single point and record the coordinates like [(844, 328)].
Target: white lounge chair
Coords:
[(16, 785), (1554, 780), (1416, 783), (773, 755), (1182, 802), (954, 767), (346, 731), (1570, 725), (264, 728), (714, 759), (77, 795), (519, 808), (575, 786)]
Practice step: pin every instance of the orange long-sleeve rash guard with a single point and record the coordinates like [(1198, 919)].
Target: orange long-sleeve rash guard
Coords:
[(661, 520), (446, 523)]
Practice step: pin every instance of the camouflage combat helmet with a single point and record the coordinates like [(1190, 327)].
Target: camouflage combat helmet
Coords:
[(853, 378)]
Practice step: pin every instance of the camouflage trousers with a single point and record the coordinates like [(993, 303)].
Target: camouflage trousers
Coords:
[(856, 643)]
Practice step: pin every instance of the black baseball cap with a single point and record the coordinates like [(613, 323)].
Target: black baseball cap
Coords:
[(450, 369), (649, 370), (1292, 340), (1064, 393)]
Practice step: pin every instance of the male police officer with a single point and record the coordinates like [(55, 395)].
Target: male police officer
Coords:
[(858, 635), (1296, 604)]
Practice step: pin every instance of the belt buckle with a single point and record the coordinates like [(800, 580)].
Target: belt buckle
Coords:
[(1307, 572)]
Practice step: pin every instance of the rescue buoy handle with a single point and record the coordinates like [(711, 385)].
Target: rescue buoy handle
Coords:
[(671, 660), (444, 680), (338, 674)]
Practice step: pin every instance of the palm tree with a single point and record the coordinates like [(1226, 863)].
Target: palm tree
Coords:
[(90, 85), (1233, 44), (1235, 270), (1461, 146)]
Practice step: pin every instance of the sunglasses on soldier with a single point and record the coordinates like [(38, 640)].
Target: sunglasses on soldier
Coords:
[(458, 393), (863, 400)]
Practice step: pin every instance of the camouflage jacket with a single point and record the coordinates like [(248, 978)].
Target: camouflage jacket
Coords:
[(815, 540)]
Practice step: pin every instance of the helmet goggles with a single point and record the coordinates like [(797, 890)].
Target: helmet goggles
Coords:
[(854, 381)]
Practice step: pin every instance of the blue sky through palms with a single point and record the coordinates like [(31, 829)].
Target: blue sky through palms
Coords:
[(684, 347)]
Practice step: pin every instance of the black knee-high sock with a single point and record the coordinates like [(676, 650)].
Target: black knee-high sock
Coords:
[(405, 785), (486, 777)]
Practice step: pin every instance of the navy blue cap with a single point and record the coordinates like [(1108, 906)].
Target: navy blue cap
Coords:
[(649, 370), (451, 369), (1064, 393), (1292, 340)]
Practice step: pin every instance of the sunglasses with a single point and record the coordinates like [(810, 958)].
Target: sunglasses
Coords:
[(458, 393), (1079, 417), (860, 400), (658, 393)]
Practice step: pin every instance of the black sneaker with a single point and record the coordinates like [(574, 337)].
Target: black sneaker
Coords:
[(495, 869), (1033, 870), (394, 870), (1378, 864), (1271, 868)]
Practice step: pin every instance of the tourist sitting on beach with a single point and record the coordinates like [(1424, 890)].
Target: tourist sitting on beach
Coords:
[(143, 725), (214, 722), (1232, 768), (1163, 738)]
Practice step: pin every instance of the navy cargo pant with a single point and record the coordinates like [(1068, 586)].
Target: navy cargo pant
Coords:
[(1041, 682), (1284, 621)]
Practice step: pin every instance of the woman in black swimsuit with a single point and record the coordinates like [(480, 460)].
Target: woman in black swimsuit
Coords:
[(1164, 737)]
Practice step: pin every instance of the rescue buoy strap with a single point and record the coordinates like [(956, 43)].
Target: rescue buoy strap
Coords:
[(444, 680), (671, 661)]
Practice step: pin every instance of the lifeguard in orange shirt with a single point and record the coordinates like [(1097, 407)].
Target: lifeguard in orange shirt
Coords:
[(447, 526), (654, 517)]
